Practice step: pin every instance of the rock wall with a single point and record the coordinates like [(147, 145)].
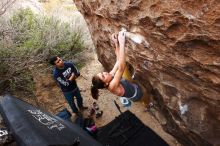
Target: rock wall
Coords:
[(178, 60)]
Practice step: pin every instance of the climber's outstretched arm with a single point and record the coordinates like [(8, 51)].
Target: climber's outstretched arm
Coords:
[(115, 40), (121, 61)]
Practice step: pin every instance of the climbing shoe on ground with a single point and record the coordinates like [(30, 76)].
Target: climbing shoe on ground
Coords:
[(150, 105), (91, 112), (83, 108), (99, 114), (95, 106)]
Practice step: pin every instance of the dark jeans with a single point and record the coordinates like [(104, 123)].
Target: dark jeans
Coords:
[(70, 99)]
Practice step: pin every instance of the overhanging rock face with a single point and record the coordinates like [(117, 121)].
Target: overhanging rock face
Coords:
[(176, 55)]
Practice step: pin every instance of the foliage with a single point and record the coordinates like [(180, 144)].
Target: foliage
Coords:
[(28, 39)]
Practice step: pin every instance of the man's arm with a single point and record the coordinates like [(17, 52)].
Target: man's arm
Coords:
[(72, 77), (75, 72)]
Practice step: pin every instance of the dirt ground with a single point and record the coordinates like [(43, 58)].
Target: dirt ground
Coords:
[(106, 103)]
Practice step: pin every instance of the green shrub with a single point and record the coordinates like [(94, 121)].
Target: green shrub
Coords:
[(42, 35), (28, 39)]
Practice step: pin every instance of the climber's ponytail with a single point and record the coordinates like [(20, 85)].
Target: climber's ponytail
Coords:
[(97, 84), (94, 92)]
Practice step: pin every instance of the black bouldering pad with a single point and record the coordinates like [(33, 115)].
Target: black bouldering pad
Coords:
[(31, 126), (128, 130)]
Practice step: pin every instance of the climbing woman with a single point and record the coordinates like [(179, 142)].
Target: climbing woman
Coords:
[(113, 80)]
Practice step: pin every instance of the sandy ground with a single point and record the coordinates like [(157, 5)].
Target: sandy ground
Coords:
[(106, 103)]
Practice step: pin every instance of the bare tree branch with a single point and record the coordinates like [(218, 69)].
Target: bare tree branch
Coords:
[(4, 5)]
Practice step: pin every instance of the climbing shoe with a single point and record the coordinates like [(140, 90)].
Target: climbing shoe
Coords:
[(83, 108), (99, 114)]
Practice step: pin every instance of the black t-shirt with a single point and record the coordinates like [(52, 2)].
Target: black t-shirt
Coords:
[(62, 75)]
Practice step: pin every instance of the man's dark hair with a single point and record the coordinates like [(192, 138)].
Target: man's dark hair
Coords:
[(53, 59)]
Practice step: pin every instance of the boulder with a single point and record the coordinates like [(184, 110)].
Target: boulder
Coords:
[(174, 48)]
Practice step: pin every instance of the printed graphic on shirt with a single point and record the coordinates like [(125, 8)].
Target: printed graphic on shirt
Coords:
[(65, 83), (66, 74)]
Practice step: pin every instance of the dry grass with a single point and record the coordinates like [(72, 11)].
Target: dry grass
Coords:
[(53, 5), (67, 12)]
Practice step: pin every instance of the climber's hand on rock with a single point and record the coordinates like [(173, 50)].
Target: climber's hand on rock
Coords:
[(121, 38)]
